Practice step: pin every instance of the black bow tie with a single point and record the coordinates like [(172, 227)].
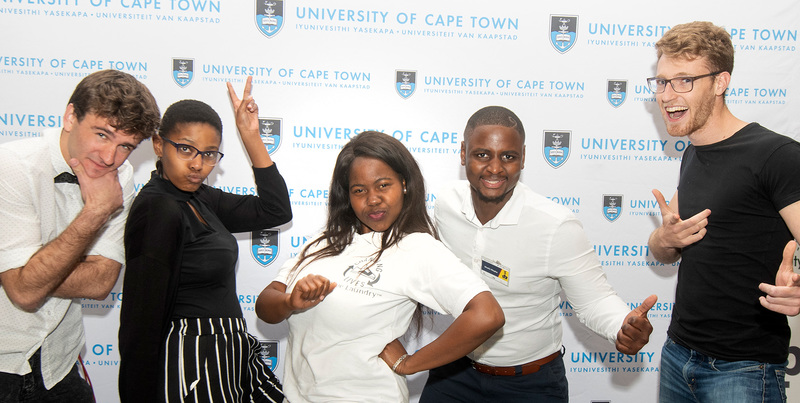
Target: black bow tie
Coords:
[(66, 177)]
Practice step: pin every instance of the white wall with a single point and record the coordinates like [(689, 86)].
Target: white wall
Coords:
[(331, 71)]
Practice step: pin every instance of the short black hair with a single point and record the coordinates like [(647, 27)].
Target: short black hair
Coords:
[(189, 111), (494, 115)]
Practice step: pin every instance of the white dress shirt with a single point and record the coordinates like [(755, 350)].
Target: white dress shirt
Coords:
[(527, 254), (34, 211)]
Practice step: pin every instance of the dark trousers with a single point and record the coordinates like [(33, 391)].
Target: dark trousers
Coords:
[(30, 387), (459, 382)]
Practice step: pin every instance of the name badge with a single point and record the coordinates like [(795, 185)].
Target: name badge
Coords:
[(496, 271)]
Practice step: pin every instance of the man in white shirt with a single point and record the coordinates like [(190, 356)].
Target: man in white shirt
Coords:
[(527, 249), (63, 203)]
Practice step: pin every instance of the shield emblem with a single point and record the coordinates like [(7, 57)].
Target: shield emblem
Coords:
[(269, 16), (563, 31), (264, 246), (405, 82), (556, 147), (182, 71), (612, 207), (270, 130), (616, 92), (269, 353)]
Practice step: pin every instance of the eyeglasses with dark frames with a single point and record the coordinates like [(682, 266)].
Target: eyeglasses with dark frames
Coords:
[(679, 84), (188, 153)]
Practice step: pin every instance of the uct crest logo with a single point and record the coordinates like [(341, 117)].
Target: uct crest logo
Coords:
[(269, 353), (269, 16), (616, 92), (405, 82), (563, 31), (612, 207), (270, 130), (556, 147), (182, 71), (264, 245)]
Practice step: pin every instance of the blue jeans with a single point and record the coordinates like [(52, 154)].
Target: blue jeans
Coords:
[(689, 376), (30, 387), (459, 382)]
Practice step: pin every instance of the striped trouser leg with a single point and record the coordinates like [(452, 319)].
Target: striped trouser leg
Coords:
[(261, 383), (216, 360)]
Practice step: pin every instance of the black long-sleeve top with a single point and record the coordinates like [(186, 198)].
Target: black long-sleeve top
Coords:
[(177, 266)]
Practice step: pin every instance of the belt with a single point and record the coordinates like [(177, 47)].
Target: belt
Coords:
[(523, 369)]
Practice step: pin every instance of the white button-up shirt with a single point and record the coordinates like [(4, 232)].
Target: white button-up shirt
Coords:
[(527, 254), (34, 211)]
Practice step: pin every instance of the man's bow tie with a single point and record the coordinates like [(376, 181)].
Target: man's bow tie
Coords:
[(66, 177)]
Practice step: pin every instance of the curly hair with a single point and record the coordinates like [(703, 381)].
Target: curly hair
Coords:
[(119, 97), (698, 39)]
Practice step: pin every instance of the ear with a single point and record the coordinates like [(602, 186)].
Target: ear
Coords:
[(722, 82), (522, 165), (463, 153), (158, 145), (69, 120)]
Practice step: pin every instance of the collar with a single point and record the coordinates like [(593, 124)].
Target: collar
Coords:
[(508, 215), (52, 139), (157, 184), (373, 238)]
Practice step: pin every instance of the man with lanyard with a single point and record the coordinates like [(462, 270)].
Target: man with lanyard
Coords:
[(63, 202)]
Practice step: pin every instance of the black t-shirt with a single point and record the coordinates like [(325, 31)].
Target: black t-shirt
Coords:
[(745, 180)]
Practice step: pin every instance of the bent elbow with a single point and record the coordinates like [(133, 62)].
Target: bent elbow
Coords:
[(102, 288), (490, 321), (25, 301), (498, 319), (264, 314), (98, 294)]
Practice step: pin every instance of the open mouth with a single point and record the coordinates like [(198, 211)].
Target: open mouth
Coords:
[(493, 183), (676, 112)]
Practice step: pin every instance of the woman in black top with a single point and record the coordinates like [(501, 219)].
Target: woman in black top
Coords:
[(182, 334)]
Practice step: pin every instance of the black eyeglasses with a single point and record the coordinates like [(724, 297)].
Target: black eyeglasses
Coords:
[(679, 84), (188, 153)]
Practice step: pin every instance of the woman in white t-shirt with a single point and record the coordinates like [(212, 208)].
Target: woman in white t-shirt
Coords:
[(355, 288)]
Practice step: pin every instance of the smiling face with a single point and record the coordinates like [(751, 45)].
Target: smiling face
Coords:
[(376, 194), (187, 175), (98, 146), (494, 157), (689, 113)]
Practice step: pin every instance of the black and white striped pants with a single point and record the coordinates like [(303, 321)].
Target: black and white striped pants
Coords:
[(216, 360)]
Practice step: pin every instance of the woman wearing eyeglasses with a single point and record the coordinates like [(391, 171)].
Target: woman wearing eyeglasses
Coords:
[(182, 335)]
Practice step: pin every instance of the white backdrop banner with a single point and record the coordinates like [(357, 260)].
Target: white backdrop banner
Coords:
[(324, 71)]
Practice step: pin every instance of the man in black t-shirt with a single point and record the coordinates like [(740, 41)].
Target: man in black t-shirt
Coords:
[(739, 196)]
